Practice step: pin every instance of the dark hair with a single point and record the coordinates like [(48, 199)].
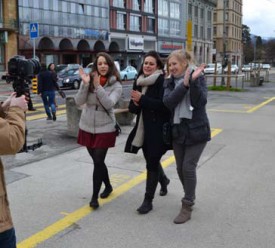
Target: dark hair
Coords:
[(112, 68), (49, 66), (156, 56)]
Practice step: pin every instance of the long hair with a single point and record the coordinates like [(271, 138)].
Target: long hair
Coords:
[(156, 56), (112, 71)]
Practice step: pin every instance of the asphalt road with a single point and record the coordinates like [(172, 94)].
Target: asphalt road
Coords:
[(234, 207)]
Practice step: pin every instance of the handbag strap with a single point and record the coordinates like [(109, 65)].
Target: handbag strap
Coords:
[(107, 112)]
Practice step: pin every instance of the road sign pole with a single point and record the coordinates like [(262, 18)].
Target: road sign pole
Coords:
[(33, 48)]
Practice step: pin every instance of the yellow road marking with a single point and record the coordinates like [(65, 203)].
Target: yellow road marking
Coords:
[(249, 109), (260, 105), (41, 116), (82, 212)]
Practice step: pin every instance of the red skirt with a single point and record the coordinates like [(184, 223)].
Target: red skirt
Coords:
[(97, 140)]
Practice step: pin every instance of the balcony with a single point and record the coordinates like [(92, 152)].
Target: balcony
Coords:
[(8, 25)]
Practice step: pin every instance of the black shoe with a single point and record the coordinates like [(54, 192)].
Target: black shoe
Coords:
[(145, 207), (54, 117), (94, 203), (32, 109), (49, 118), (163, 190), (106, 192)]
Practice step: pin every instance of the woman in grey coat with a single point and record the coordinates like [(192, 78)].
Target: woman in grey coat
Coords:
[(186, 96), (98, 93)]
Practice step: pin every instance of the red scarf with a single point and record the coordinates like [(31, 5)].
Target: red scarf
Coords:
[(102, 80)]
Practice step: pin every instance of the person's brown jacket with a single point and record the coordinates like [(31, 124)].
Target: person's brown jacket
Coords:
[(12, 136)]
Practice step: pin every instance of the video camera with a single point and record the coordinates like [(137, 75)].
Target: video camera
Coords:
[(20, 72)]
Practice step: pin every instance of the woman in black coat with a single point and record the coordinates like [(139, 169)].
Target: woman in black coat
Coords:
[(146, 102)]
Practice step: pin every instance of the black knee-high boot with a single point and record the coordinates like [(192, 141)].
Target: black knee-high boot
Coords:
[(151, 185), (164, 181)]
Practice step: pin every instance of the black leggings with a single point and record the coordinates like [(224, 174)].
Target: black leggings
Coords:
[(100, 173)]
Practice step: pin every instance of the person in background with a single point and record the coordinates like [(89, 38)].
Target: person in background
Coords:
[(99, 91), (146, 102), (51, 67), (186, 96), (46, 89), (12, 133)]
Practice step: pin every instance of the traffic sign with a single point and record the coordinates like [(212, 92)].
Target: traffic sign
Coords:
[(34, 30)]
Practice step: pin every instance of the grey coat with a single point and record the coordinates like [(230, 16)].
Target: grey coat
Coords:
[(93, 118)]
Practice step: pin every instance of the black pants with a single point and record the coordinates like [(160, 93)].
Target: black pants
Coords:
[(100, 173)]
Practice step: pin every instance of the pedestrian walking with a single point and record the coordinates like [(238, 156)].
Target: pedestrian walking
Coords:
[(47, 85), (12, 133), (98, 93), (146, 102), (186, 96), (51, 68)]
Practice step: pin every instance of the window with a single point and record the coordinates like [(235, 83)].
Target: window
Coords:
[(196, 11), (118, 3), (202, 32), (151, 25), (175, 10), (163, 27), (215, 17), (135, 23), (196, 31), (148, 6), (121, 21), (163, 8), (202, 13), (136, 5), (175, 28)]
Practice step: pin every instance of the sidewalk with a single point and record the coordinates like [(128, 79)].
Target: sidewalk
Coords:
[(234, 206)]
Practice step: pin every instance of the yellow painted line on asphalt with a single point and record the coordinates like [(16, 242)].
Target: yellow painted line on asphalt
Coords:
[(249, 109), (42, 116), (260, 105), (226, 111), (82, 212)]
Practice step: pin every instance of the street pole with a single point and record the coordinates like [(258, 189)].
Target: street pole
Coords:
[(33, 40), (224, 44)]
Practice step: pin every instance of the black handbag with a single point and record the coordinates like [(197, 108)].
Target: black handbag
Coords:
[(117, 127), (62, 93), (167, 133)]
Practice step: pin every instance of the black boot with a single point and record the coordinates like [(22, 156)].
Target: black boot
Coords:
[(106, 192), (151, 185), (94, 203), (108, 187), (164, 181), (54, 116)]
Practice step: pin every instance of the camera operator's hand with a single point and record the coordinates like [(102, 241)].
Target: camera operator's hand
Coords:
[(7, 102), (20, 102)]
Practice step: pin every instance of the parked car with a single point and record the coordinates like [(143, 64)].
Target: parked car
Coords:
[(266, 66), (71, 78), (246, 68), (234, 69), (128, 73), (210, 68), (63, 69)]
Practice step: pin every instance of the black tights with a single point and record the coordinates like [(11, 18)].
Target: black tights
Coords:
[(100, 173)]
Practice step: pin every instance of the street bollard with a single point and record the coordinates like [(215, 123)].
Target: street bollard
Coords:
[(34, 85)]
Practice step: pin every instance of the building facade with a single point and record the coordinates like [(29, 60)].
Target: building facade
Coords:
[(69, 31), (228, 31), (199, 15), (8, 31)]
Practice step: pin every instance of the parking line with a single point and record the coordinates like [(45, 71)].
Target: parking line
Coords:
[(82, 212), (260, 105)]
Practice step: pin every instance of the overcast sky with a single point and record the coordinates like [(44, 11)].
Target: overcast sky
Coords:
[(259, 16)]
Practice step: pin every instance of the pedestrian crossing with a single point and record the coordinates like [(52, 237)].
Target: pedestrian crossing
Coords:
[(39, 113)]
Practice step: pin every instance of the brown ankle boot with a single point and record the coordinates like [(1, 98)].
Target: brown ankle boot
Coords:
[(185, 213)]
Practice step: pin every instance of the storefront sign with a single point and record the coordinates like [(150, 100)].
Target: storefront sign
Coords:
[(136, 43), (165, 46)]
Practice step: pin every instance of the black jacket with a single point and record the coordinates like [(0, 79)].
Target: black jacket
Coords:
[(197, 129), (154, 115), (47, 81)]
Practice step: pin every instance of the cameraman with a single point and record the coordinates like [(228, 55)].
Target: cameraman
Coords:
[(12, 134)]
